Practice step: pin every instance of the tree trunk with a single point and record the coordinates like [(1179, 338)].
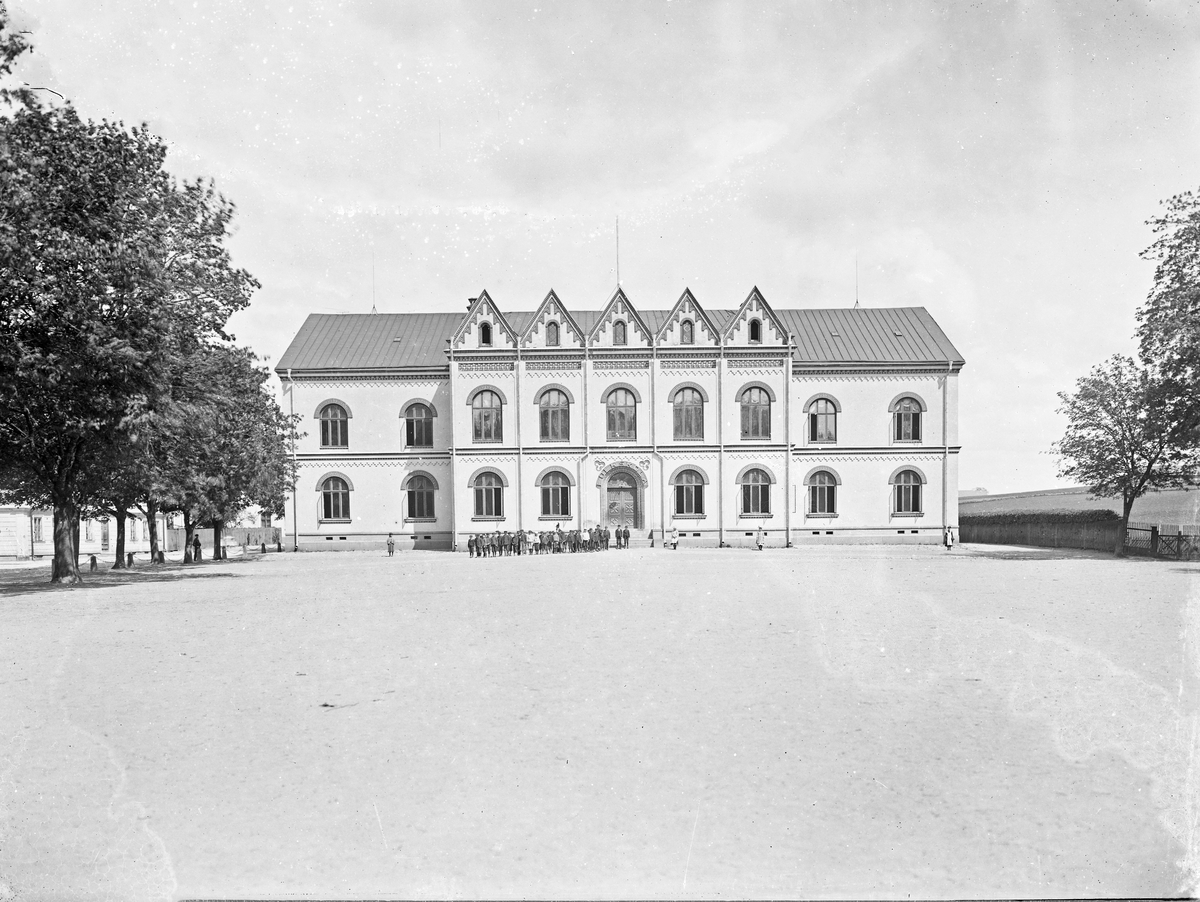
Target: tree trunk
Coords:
[(66, 562), (75, 538), (152, 528), (121, 517), (216, 540), (189, 531), (1126, 509)]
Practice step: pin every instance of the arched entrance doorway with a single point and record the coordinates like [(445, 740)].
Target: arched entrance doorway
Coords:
[(623, 500)]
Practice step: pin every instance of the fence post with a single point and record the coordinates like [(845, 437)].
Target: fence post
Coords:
[(1154, 540)]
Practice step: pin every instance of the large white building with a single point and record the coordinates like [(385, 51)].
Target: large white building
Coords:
[(818, 425)]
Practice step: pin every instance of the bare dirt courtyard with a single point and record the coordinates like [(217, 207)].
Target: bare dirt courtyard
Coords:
[(835, 721)]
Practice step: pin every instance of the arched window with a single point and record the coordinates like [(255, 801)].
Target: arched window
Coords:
[(822, 421), (418, 426), (755, 331), (689, 414), (556, 495), (335, 499), (555, 416), (756, 493), (907, 419), (622, 415), (687, 333), (618, 333), (335, 426), (486, 419), (489, 495), (907, 492), (756, 413), (822, 494), (485, 335), (552, 335), (689, 494), (420, 498)]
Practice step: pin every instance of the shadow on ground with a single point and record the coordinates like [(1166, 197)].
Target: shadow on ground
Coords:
[(1034, 553), (33, 581)]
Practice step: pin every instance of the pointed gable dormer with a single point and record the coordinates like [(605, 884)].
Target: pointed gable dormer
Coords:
[(484, 328), (755, 324), (552, 326), (687, 325), (620, 316)]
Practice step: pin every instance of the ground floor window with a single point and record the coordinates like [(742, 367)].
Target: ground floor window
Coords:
[(822, 494), (420, 498), (335, 499), (908, 492), (489, 490), (689, 494), (37, 529), (756, 493), (556, 495)]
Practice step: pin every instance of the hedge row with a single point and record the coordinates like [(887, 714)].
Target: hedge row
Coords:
[(1049, 517)]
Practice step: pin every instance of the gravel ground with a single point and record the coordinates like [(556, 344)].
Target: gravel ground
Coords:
[(819, 722)]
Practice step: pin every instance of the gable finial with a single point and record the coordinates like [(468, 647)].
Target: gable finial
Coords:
[(618, 230), (856, 280)]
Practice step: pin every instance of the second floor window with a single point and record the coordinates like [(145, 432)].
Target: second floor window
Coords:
[(689, 414), (618, 333), (822, 421), (418, 426), (485, 335), (555, 416), (486, 414), (756, 331), (756, 413), (420, 498), (907, 420), (335, 426), (552, 335), (622, 415)]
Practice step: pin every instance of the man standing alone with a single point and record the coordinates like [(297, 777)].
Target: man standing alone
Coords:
[(391, 545)]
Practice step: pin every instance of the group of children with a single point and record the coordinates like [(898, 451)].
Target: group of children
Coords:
[(556, 541)]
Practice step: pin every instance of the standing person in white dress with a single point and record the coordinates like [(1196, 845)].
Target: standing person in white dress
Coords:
[(759, 538), (674, 538)]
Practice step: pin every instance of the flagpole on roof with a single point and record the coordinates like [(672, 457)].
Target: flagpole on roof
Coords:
[(856, 280), (618, 252), (373, 310)]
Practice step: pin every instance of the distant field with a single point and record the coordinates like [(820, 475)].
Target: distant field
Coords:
[(1174, 507)]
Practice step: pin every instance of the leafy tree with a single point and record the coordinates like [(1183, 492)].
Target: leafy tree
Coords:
[(1128, 432), (1169, 320)]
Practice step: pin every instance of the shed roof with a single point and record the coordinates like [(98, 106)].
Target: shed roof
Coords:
[(867, 335)]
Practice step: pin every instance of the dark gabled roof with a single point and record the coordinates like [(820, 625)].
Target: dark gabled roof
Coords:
[(868, 335)]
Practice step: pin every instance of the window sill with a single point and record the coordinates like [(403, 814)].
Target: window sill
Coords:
[(698, 439), (487, 441), (907, 441), (347, 520), (908, 513), (756, 516), (500, 519), (335, 447), (555, 519), (629, 439), (418, 447), (555, 441), (756, 438), (689, 516), (820, 516), (824, 442), (420, 519)]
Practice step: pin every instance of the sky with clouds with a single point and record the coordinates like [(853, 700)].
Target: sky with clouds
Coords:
[(992, 162)]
